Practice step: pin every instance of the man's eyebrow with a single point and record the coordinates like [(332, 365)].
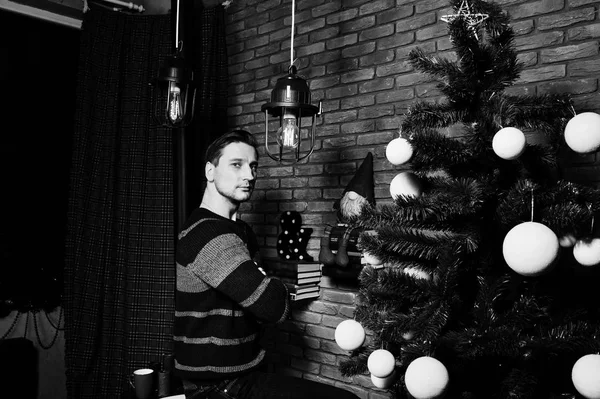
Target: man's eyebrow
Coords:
[(242, 160)]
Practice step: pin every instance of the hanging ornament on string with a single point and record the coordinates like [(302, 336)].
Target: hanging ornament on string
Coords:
[(473, 20), (381, 363), (530, 247), (509, 143), (399, 151), (426, 378), (406, 184), (349, 335), (587, 251), (582, 133), (586, 376), (384, 382)]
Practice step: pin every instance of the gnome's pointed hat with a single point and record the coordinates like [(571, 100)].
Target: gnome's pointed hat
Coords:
[(362, 182)]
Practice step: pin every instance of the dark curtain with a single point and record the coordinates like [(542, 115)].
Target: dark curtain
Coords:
[(206, 29), (37, 76), (120, 269)]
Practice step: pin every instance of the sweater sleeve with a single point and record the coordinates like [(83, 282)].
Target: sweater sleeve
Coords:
[(223, 262)]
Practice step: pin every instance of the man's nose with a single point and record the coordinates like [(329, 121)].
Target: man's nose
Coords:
[(249, 173)]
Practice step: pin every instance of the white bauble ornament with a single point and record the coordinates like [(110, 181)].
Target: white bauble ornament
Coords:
[(509, 143), (529, 248), (587, 252), (349, 335), (405, 184), (381, 363), (398, 151), (371, 259), (384, 382), (567, 241), (426, 378), (582, 132), (586, 376)]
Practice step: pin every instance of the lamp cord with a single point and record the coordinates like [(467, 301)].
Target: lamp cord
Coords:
[(532, 204), (292, 41), (177, 27)]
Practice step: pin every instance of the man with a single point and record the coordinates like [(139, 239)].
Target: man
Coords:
[(222, 296)]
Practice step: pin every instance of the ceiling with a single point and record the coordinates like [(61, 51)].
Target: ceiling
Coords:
[(70, 12), (65, 12)]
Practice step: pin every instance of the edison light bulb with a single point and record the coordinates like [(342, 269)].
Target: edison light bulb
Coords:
[(288, 135), (175, 106)]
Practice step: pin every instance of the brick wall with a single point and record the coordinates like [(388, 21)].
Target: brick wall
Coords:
[(353, 53)]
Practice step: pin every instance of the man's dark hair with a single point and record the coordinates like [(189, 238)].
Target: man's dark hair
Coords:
[(215, 149)]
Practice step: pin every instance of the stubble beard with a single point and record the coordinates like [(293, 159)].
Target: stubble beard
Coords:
[(234, 197)]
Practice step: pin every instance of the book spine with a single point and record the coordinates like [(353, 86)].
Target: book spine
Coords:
[(294, 275), (295, 287), (293, 266), (304, 291), (296, 281), (297, 297)]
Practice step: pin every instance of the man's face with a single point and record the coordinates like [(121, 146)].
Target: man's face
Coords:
[(235, 173)]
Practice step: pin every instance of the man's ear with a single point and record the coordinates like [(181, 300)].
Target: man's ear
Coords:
[(209, 170)]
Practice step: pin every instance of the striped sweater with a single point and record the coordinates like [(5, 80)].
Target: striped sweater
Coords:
[(221, 299)]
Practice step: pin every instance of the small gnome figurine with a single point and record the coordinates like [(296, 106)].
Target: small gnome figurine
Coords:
[(293, 239), (359, 192)]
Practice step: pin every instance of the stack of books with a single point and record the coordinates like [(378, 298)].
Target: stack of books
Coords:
[(303, 279)]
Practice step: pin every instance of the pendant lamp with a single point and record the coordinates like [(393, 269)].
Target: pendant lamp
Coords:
[(174, 92), (290, 104)]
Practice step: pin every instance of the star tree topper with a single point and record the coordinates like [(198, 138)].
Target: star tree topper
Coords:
[(472, 19)]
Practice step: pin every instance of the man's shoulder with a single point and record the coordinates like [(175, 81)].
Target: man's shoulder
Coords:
[(199, 231), (203, 220)]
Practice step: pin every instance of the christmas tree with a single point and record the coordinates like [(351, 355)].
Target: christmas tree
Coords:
[(483, 272)]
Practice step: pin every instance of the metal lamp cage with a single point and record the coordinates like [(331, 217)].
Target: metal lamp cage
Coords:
[(291, 95), (173, 75)]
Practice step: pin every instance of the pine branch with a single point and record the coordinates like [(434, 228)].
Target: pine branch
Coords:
[(408, 242), (539, 163), (436, 66), (546, 113), (567, 218), (576, 338), (353, 366), (423, 115), (564, 207), (373, 218), (437, 151), (519, 384)]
